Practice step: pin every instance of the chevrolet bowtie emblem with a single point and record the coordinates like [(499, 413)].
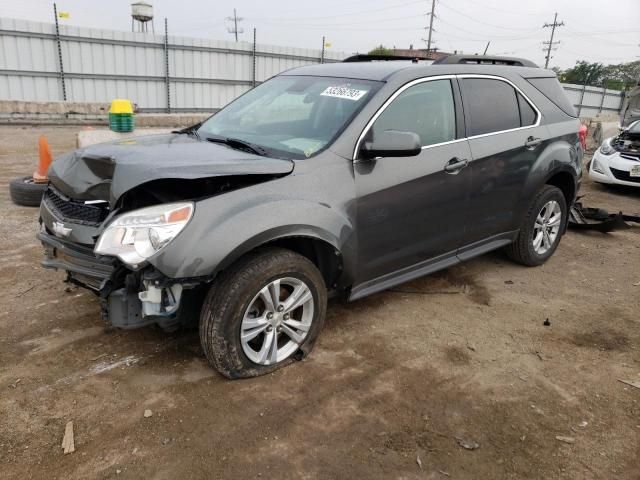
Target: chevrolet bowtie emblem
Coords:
[(60, 230)]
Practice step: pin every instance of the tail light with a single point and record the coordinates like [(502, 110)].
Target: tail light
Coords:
[(582, 133)]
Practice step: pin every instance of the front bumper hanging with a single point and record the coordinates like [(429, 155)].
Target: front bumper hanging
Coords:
[(129, 299)]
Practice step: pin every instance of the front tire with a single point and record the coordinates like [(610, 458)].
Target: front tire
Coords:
[(263, 313), (542, 229)]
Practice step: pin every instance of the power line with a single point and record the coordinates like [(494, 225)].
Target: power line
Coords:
[(341, 28), (550, 44), (520, 13), (341, 15), (485, 23), (483, 35), (519, 49), (578, 33), (346, 24), (235, 19)]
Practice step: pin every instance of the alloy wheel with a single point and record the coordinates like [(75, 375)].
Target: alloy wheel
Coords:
[(277, 321), (547, 227)]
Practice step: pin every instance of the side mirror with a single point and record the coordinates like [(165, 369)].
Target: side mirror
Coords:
[(392, 143)]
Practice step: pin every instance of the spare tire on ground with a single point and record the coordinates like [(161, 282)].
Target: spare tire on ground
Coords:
[(24, 191)]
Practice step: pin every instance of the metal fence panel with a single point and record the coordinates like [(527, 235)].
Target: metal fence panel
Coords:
[(590, 101), (100, 65)]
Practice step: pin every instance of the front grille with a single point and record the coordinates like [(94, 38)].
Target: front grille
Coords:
[(623, 175), (74, 210)]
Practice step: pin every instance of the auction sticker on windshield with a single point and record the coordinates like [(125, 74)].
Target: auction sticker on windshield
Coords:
[(344, 92)]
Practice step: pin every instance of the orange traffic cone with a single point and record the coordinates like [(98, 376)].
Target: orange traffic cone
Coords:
[(44, 161)]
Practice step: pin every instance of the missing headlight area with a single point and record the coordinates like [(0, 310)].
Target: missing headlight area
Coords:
[(150, 298)]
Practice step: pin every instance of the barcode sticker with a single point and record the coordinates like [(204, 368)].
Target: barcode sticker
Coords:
[(344, 92)]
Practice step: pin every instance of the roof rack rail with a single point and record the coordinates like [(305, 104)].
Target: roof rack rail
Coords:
[(363, 57), (484, 60)]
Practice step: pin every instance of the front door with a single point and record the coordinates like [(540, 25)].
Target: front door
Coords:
[(411, 209)]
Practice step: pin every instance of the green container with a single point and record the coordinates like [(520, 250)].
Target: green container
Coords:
[(121, 122)]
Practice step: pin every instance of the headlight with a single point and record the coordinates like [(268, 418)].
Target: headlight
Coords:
[(597, 167), (135, 236), (606, 148)]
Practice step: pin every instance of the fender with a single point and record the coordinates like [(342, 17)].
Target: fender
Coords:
[(225, 227)]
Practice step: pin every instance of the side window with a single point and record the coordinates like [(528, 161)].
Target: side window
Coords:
[(527, 113), (426, 109), (492, 105)]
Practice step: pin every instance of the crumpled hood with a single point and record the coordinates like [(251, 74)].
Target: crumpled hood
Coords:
[(107, 170)]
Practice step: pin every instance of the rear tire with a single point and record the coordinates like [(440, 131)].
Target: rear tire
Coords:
[(25, 192), (532, 247), (243, 300)]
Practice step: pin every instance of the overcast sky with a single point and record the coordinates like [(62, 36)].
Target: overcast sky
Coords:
[(607, 32)]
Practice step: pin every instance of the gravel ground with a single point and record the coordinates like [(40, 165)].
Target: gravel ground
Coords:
[(398, 384)]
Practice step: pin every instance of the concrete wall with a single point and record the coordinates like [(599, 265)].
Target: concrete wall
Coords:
[(83, 113)]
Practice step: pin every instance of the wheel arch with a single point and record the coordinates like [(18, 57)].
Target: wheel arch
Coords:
[(320, 247), (565, 181)]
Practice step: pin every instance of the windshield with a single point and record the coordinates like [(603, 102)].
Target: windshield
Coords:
[(291, 116)]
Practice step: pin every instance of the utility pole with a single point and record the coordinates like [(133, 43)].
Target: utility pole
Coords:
[(431, 15), (235, 19), (550, 44)]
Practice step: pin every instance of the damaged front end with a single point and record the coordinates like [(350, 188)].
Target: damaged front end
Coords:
[(131, 295), (110, 208)]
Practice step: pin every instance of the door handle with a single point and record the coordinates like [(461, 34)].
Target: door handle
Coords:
[(456, 164), (532, 142)]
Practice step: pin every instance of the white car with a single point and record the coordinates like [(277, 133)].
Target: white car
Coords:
[(617, 161)]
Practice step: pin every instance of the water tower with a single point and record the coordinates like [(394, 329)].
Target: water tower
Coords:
[(141, 15)]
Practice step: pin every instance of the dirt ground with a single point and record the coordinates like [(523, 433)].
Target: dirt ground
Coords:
[(397, 383)]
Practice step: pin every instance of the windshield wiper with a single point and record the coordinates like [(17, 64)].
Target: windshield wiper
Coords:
[(240, 145), (192, 130)]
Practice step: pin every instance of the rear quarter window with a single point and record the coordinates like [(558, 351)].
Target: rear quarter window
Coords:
[(550, 87), (527, 113), (491, 104)]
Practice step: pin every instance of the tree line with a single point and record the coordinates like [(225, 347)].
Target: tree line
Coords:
[(621, 76)]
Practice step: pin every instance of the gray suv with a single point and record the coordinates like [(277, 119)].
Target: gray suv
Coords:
[(328, 180)]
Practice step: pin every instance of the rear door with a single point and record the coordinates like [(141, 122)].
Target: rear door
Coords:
[(411, 210), (505, 136)]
